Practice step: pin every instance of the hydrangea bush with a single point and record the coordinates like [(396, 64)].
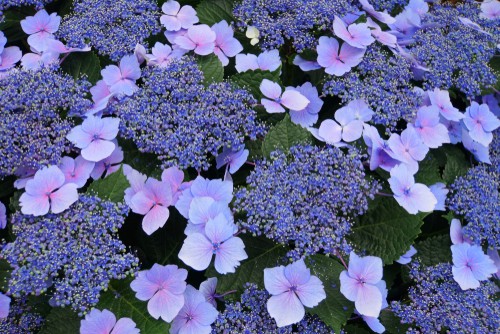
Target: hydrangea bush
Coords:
[(249, 166)]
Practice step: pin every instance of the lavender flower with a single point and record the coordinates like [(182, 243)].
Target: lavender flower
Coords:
[(105, 322)]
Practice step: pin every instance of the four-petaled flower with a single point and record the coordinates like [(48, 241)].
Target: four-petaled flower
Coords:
[(292, 287), (275, 100), (48, 190), (95, 137), (196, 315), (104, 322), (360, 284), (163, 287), (471, 265)]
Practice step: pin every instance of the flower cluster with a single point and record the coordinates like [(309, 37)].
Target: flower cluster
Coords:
[(22, 318), (306, 199), (113, 27), (250, 315), (454, 54), (74, 254), (212, 118), (279, 21), (475, 196), (382, 80), (32, 108), (437, 303)]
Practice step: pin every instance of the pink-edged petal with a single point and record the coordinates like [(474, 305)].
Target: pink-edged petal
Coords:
[(165, 305), (144, 288), (171, 7), (367, 267), (275, 281), (196, 251), (312, 292), (230, 253), (141, 203), (171, 23), (155, 219), (204, 49), (199, 210), (78, 137), (340, 29), (245, 62), (219, 229), (369, 300), (110, 128), (62, 199), (45, 181), (270, 89), (464, 277), (456, 234), (297, 273), (187, 16), (98, 150), (34, 205), (272, 107), (97, 322), (285, 309), (328, 50), (294, 100), (352, 131), (9, 57), (111, 74), (350, 55), (129, 67), (348, 286), (125, 87), (330, 131), (205, 314), (125, 326), (423, 197)]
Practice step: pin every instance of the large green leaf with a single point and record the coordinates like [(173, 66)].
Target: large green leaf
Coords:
[(386, 230), (252, 80), (392, 323), (428, 171), (214, 11), (83, 63), (262, 253), (335, 309), (212, 68), (284, 135), (11, 27), (61, 321), (120, 300), (111, 188), (434, 250), (456, 164)]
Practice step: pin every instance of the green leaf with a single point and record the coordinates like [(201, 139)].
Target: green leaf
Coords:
[(434, 250), (386, 230), (335, 309), (284, 135), (262, 253), (80, 63), (61, 321), (255, 149), (11, 27), (120, 299), (212, 69), (146, 163), (110, 188), (428, 171), (214, 11), (392, 323), (456, 164), (251, 80)]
